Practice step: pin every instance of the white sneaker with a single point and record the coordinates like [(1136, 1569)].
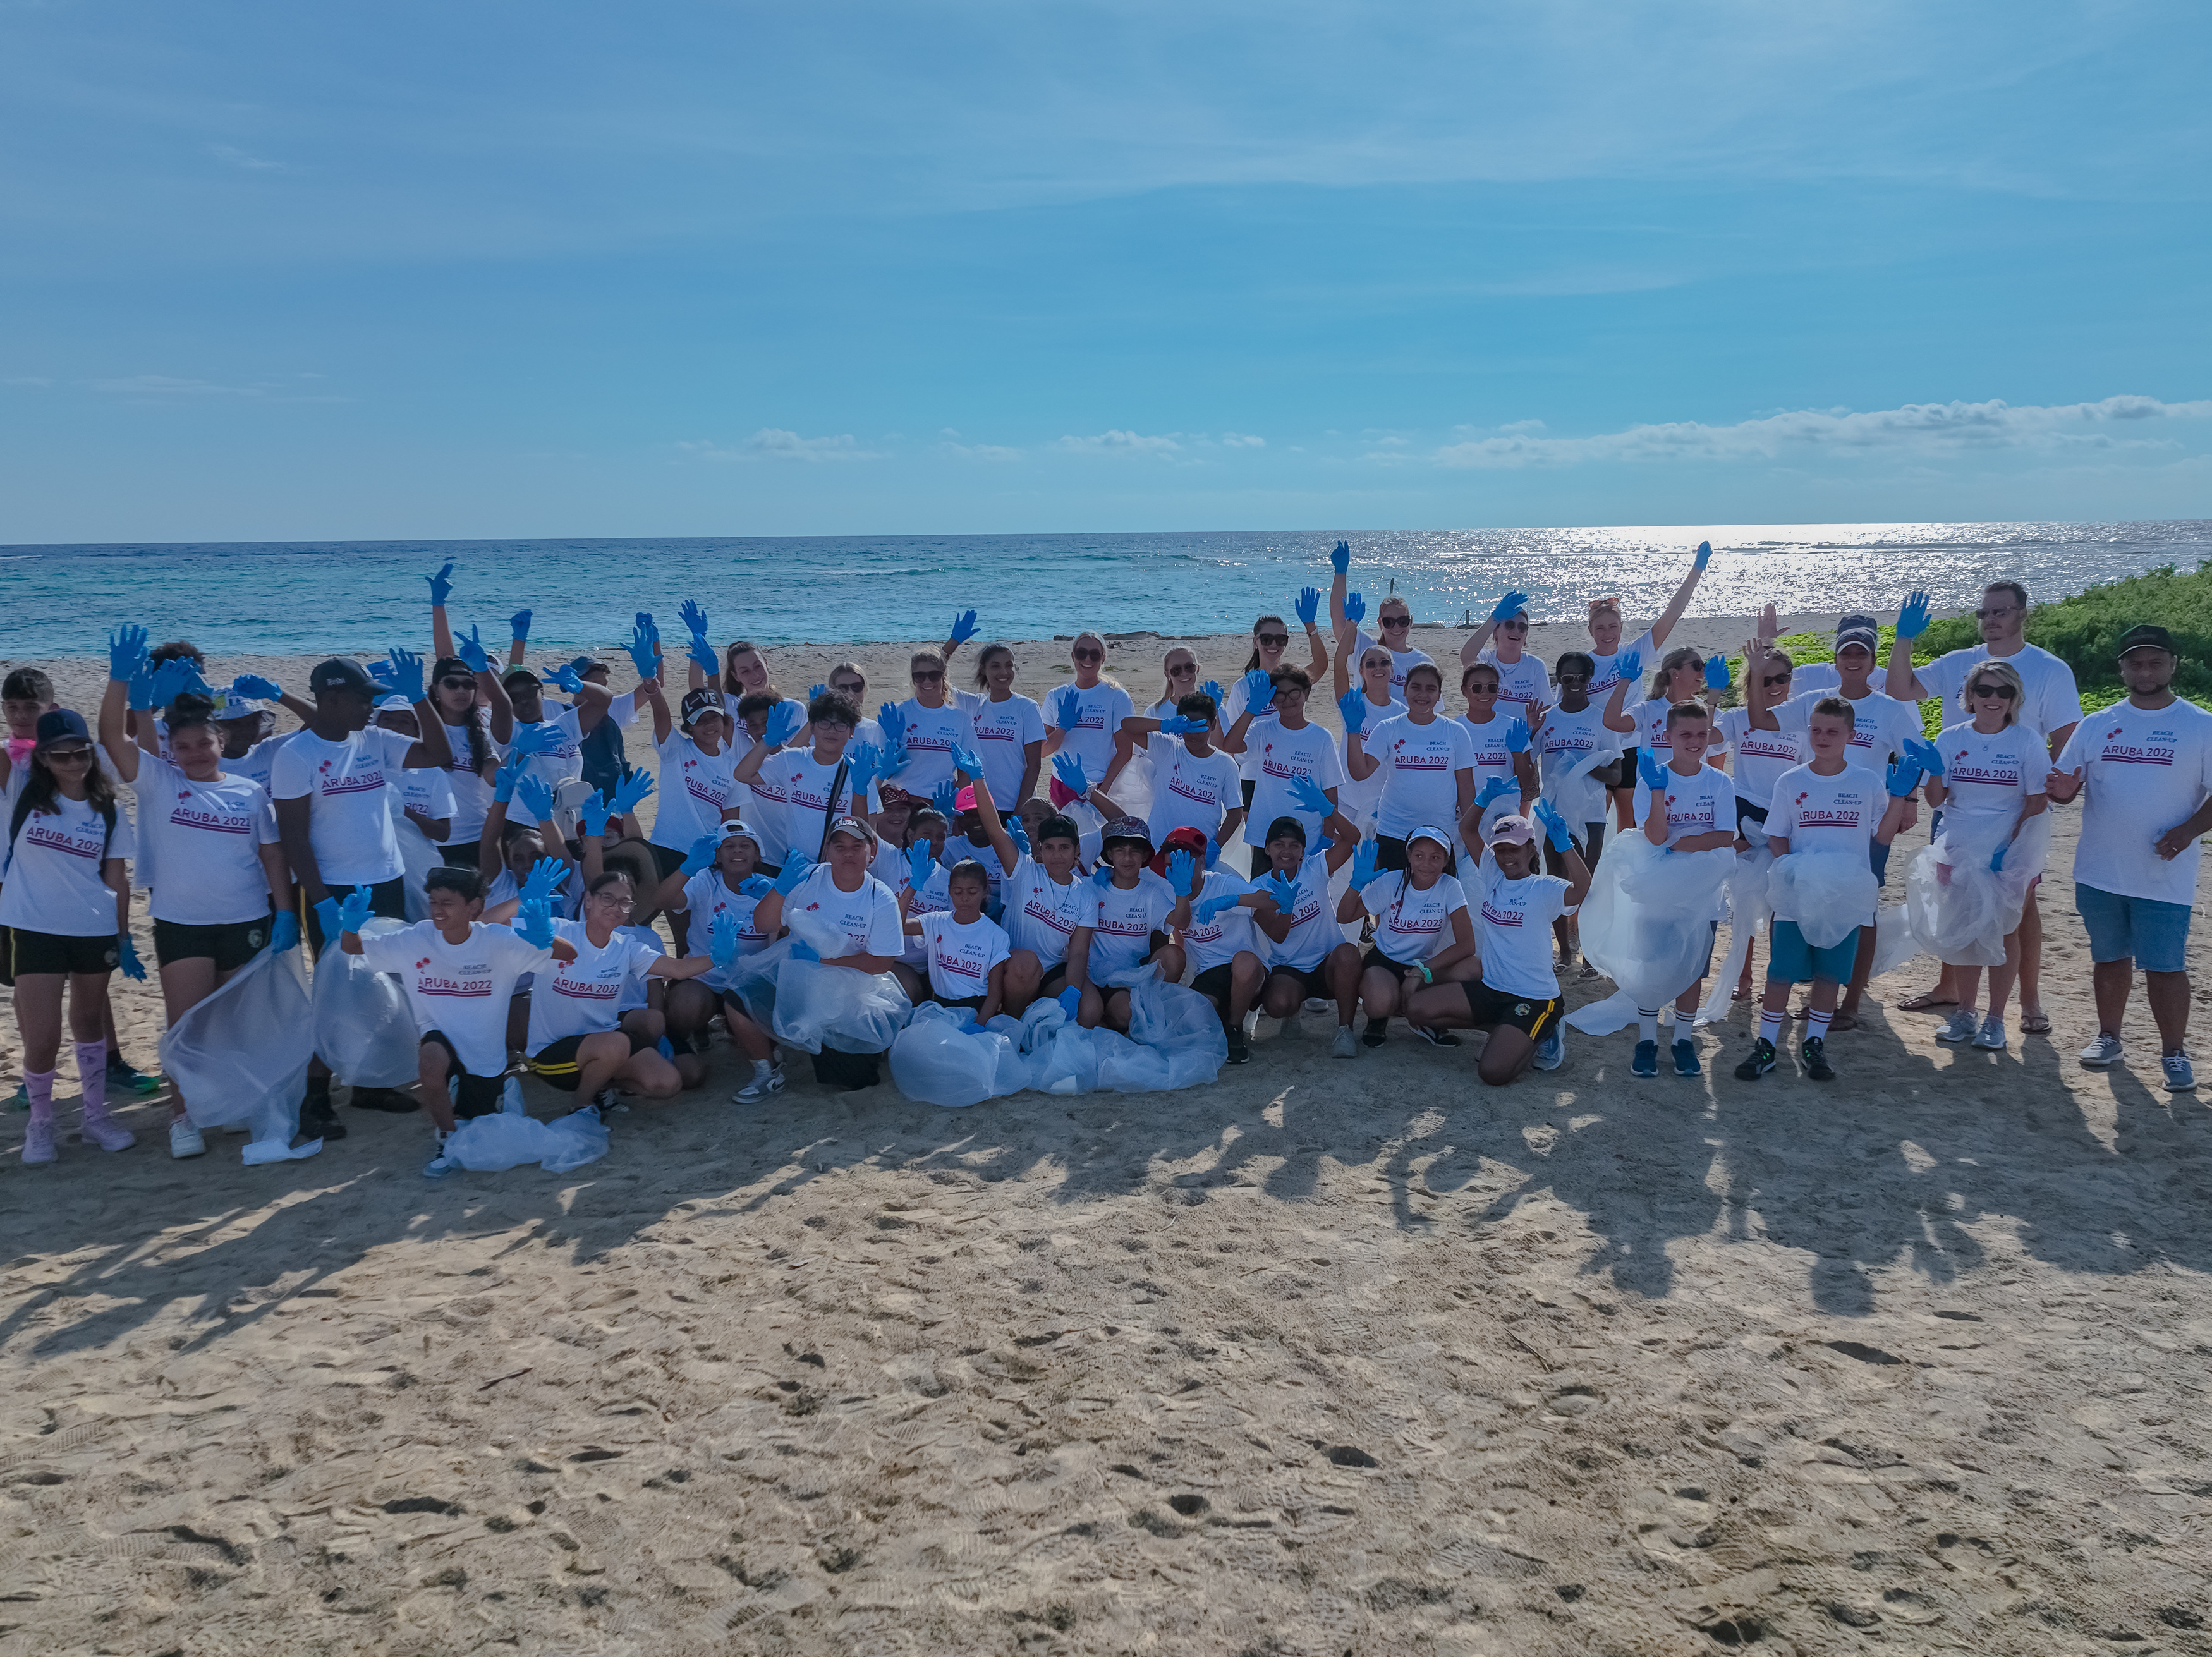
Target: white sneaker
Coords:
[(763, 1085), (441, 1165), (1992, 1035), (1961, 1026), (1317, 1005), (184, 1139), (101, 1129), (1551, 1051), (2104, 1051), (1343, 1047)]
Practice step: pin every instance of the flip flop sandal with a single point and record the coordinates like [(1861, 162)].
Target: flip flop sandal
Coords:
[(1923, 1003), (2035, 1023)]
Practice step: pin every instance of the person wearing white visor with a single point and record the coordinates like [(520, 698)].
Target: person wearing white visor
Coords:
[(1422, 933)]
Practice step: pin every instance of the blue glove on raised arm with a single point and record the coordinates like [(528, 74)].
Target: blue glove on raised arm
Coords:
[(1509, 606), (1258, 691), (1925, 754), (284, 932), (1019, 836), (864, 757), (701, 857), (547, 876), (812, 691), (1516, 734), (381, 672), (1352, 706), (126, 652), (591, 817), (172, 680), (1067, 770), (535, 795), (1355, 607), (126, 957), (1282, 892), (1718, 676), (704, 653), (920, 865), (1913, 617), (252, 685), (1307, 795), (519, 625), (1180, 867), (1206, 908), (722, 941), (945, 797), (1651, 768), (540, 737), (785, 721), (797, 865), (407, 674), (1627, 665), (533, 925), (693, 617), (1212, 688), (1340, 557), (1067, 707), (1904, 776), (1364, 864), (1175, 724), (142, 695), (568, 678), (756, 886), (504, 779), (354, 911), (964, 628), (441, 584), (1704, 554), (1102, 873), (895, 759), (639, 650), (967, 762), (892, 723), (470, 648), (1309, 605), (1555, 826), (1495, 788), (631, 791)]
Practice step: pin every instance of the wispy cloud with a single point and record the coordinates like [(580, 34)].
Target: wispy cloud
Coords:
[(949, 444), (171, 388), (25, 380), (773, 443), (1120, 442), (1242, 440), (233, 156), (1935, 428)]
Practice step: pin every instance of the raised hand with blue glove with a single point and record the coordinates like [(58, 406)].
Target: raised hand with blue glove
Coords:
[(1925, 754), (1212, 688), (796, 868), (568, 678), (693, 617), (1307, 796), (255, 687), (1704, 554), (1309, 605), (892, 723), (535, 795), (1177, 724), (1352, 706), (591, 815), (1018, 835), (1067, 707), (354, 911), (785, 721), (509, 774), (631, 791), (1516, 734), (284, 932), (1365, 863), (531, 740), (967, 762), (1281, 891), (920, 865), (1903, 777), (1206, 908), (1718, 676), (1627, 666), (1651, 768), (704, 653), (1182, 867), (519, 626), (864, 757), (470, 648), (533, 925), (1555, 826), (543, 883), (701, 857), (127, 652), (1912, 618), (945, 797), (1258, 691), (964, 628), (142, 695), (126, 957), (722, 941), (442, 585), (1340, 557), (1355, 607), (641, 657), (1509, 606), (1068, 770), (168, 681), (381, 672), (1494, 790)]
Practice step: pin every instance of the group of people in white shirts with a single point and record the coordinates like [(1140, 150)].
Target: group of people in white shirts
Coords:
[(988, 849)]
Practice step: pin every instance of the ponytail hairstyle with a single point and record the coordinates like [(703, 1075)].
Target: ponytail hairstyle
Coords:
[(1256, 625), (1167, 679), (983, 662), (1673, 659), (187, 711), (475, 722)]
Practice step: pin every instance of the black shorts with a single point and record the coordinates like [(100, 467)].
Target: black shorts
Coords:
[(469, 856), (1390, 855), (387, 898), (1592, 842), (1256, 865), (479, 1095), (1375, 957), (58, 952), (1053, 981), (231, 945), (555, 1064), (972, 1003), (1746, 812), (1624, 769), (1313, 979), (1213, 983), (1487, 1008), (666, 859), (7, 958)]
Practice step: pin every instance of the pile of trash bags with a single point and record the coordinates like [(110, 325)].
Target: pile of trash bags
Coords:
[(1647, 925), (507, 1139)]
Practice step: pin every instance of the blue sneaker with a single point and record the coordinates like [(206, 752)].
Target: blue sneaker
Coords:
[(1686, 1058), (1646, 1061), (1551, 1051), (440, 1166)]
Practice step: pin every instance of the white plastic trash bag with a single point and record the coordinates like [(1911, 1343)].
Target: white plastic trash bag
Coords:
[(1893, 942), (1828, 894), (818, 1006), (504, 1139), (1748, 910), (417, 857), (944, 1057), (364, 1029), (1180, 1025), (1647, 923), (240, 1057), (1959, 909), (1066, 1061)]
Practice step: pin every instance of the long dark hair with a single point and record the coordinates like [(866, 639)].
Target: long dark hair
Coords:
[(482, 760), (42, 788), (1256, 625), (983, 663)]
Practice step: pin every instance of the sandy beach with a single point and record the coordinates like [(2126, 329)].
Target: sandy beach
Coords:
[(1326, 1358)]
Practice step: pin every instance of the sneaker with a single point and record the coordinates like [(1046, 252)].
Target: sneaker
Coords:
[(759, 1088), (2104, 1051), (440, 1166), (101, 1129), (608, 1100), (1992, 1035), (2180, 1076), (1377, 1031), (184, 1139), (1551, 1051), (1960, 1026), (1760, 1061), (318, 1120), (1814, 1052), (1316, 1005), (1343, 1046), (121, 1075), (1646, 1059), (39, 1142), (1436, 1038), (390, 1100), (1685, 1056), (1239, 1051)]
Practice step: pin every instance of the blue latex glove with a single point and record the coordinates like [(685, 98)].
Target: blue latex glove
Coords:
[(1912, 618), (547, 876), (354, 910), (1997, 857), (1651, 770), (640, 649), (1509, 606), (379, 671), (1494, 790), (1704, 554), (568, 678), (895, 759), (142, 693), (1555, 826), (756, 886), (964, 628), (519, 622), (1067, 707), (1363, 863), (1355, 607), (1019, 836), (407, 674), (504, 779), (1067, 768), (812, 691), (1925, 754), (1306, 794), (802, 951), (285, 933), (631, 791), (1212, 688), (126, 957), (326, 917), (1175, 724), (785, 721), (126, 650), (442, 585), (1206, 908), (1180, 867), (470, 648), (1282, 892), (1628, 664), (1716, 672), (967, 762), (1103, 875), (722, 941), (1309, 605), (1904, 777), (704, 653), (535, 795), (892, 723), (1339, 557), (1258, 691), (591, 817), (864, 757), (920, 865), (945, 797), (644, 620), (531, 740), (796, 867), (1213, 853), (693, 617), (533, 925), (252, 685), (1071, 1000), (173, 679), (701, 855), (1516, 734)]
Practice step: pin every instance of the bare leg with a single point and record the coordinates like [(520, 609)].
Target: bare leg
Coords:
[(598, 1057), (430, 1075), (2113, 980), (2027, 946), (185, 985), (1344, 981), (2169, 1007), (1025, 975), (1847, 1013), (2002, 978), (1505, 1056), (649, 1076)]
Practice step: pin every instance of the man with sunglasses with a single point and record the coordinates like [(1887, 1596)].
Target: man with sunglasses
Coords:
[(2052, 708), (2147, 766)]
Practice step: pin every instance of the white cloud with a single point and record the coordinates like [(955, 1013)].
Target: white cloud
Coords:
[(976, 451), (238, 158), (1120, 442), (1929, 428), (773, 443), (1242, 440), (26, 379)]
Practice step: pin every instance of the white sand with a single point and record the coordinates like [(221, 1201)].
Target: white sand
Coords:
[(1326, 1358)]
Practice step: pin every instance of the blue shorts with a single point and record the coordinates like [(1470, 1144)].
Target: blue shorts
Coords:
[(2155, 935), (1793, 960)]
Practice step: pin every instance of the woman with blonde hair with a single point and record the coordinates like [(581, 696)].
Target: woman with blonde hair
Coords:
[(1394, 617), (1085, 719), (1373, 701)]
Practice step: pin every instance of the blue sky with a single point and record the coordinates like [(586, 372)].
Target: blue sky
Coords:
[(278, 272)]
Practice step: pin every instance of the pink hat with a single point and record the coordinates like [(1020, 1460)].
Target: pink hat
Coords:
[(965, 799), (1513, 830)]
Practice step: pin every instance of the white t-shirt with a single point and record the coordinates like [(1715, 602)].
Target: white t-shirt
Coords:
[(1421, 765), (1122, 923), (563, 759), (53, 877), (1608, 668), (1989, 778), (1816, 677), (931, 733), (1411, 925), (934, 897), (461, 990), (961, 954), (207, 837), (568, 901), (1280, 755), (802, 783), (1698, 804), (1524, 687), (1314, 929), (1211, 943), (1881, 726), (1190, 791), (585, 996), (1004, 731), (1041, 915), (256, 763), (343, 782), (1830, 815), (692, 791), (471, 790), (426, 790), (2148, 771), (1096, 723), (1651, 730), (1357, 798), (706, 896), (2053, 700), (1264, 725), (1513, 932), (1402, 662), (869, 916), (1761, 756), (1564, 741), (760, 806)]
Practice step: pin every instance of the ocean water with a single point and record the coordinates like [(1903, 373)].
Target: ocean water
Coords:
[(284, 597)]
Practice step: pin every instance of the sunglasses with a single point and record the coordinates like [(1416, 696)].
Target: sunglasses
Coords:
[(1273, 638), (1782, 677), (1187, 670), (1482, 690), (68, 756), (928, 675), (457, 684), (850, 689), (1574, 678), (2003, 691), (1088, 655), (1518, 624), (1395, 621)]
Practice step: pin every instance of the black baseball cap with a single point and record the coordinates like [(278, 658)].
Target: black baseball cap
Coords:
[(339, 674), (695, 702), (60, 725), (2145, 637), (514, 675)]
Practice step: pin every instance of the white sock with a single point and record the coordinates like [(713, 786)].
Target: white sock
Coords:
[(1816, 1025), (1650, 1022), (1770, 1027), (761, 1068)]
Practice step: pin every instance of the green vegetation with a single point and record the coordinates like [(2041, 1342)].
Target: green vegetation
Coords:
[(2084, 631)]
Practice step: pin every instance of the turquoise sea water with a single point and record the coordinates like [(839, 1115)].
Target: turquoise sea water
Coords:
[(287, 597)]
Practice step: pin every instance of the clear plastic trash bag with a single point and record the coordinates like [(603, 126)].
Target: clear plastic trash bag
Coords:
[(819, 1006), (240, 1057), (1180, 1034), (1647, 923), (364, 1029), (944, 1057), (1133, 788), (417, 857), (1748, 910), (1828, 894), (505, 1139), (1959, 910)]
